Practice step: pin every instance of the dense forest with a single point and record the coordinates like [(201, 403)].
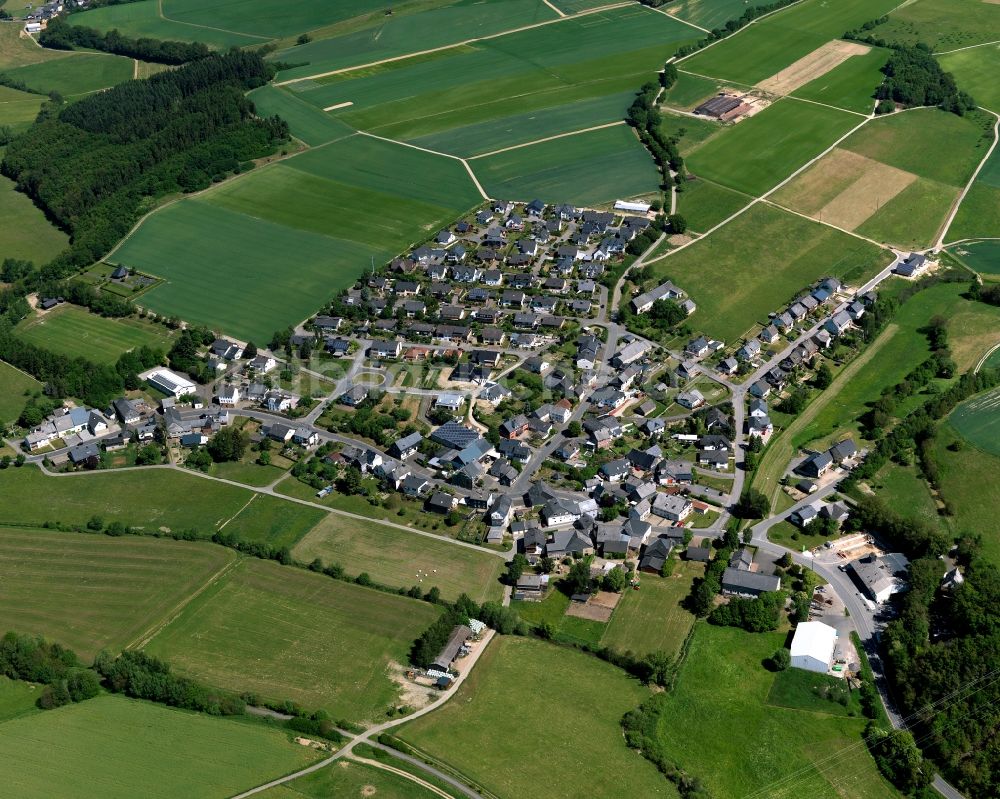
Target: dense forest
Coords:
[(93, 164), (61, 35)]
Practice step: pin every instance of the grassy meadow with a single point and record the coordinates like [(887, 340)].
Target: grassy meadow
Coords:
[(91, 592), (18, 109), (758, 153), (73, 331), (763, 258), (975, 71), (75, 74), (278, 241), (720, 725), (286, 633), (425, 26), (394, 557), (705, 204), (525, 694), (766, 47), (119, 748), (308, 123), (980, 256), (274, 521), (25, 234), (349, 779), (850, 85), (979, 215), (587, 169), (150, 499), (652, 619), (978, 421), (942, 24), (14, 386)]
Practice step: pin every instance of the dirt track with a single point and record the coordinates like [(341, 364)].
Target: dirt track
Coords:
[(812, 66)]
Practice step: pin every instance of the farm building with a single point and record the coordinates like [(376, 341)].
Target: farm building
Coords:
[(170, 383), (813, 645), (449, 652), (632, 207)]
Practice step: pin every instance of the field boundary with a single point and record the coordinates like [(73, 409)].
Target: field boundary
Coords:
[(676, 17), (164, 17), (151, 632), (548, 138), (398, 771)]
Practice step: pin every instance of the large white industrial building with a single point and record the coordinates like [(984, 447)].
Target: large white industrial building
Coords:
[(813, 646)]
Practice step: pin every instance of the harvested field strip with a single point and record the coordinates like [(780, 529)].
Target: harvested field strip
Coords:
[(810, 67), (865, 196), (286, 633), (92, 592)]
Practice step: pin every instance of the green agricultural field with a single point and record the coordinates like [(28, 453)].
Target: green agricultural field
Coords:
[(578, 58), (349, 779), (759, 261), (758, 153), (75, 74), (903, 488), (18, 109), (525, 694), (25, 233), (307, 122), (978, 421), (426, 26), (652, 619), (266, 18), (574, 170), (850, 85), (157, 752), (397, 558), (766, 47), (693, 131), (144, 19), (279, 241), (93, 592), (286, 633), (15, 386), (942, 24), (719, 726), (975, 71), (707, 13), (817, 693), (927, 142), (968, 484), (913, 218), (17, 698), (705, 204), (689, 91), (981, 256), (74, 331), (274, 521), (150, 499), (529, 126), (979, 215)]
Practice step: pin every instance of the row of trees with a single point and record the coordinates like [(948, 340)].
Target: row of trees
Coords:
[(23, 657), (62, 35), (733, 25), (91, 165)]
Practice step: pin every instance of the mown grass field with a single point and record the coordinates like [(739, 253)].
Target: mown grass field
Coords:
[(156, 752), (394, 557), (850, 85), (14, 386), (18, 109), (652, 619), (913, 218), (903, 488), (525, 694), (588, 169), (85, 73), (349, 779), (758, 153), (149, 499), (307, 122), (74, 331), (25, 233), (942, 24), (278, 241), (91, 592), (968, 484), (803, 690), (689, 91), (704, 204), (766, 47), (578, 58), (763, 258), (978, 421), (720, 727), (286, 633), (16, 698), (423, 27)]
